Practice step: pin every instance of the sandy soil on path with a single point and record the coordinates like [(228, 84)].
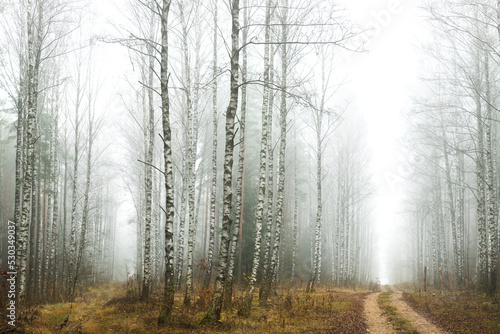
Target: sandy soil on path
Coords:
[(376, 322), (383, 288), (420, 323)]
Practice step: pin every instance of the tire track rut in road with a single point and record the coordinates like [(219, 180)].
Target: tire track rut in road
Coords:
[(376, 322), (405, 310)]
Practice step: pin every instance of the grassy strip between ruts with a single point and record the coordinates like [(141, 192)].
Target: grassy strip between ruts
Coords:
[(458, 312), (400, 324)]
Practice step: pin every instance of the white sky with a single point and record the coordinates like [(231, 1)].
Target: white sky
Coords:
[(383, 79)]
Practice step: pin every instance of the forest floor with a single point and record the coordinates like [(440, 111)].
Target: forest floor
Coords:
[(108, 309), (457, 311), (113, 308)]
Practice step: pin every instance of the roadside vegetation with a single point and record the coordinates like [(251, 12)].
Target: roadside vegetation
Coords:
[(116, 308), (458, 311)]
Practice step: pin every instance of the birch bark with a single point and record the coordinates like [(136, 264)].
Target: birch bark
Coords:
[(167, 304), (240, 186), (213, 191), (85, 211), (247, 303), (148, 173), (214, 312), (31, 135), (273, 268), (490, 184), (481, 201), (74, 186)]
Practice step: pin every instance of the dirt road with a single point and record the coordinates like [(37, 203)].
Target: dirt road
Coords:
[(377, 323), (419, 322)]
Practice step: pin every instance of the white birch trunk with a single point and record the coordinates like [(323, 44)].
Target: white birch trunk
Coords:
[(481, 201), (85, 211), (240, 186), (74, 195), (264, 292), (31, 135), (213, 188), (274, 264), (214, 312), (192, 148), (150, 132), (490, 185), (167, 304), (295, 207), (247, 303)]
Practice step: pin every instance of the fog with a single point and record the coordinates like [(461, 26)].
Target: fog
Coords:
[(356, 145)]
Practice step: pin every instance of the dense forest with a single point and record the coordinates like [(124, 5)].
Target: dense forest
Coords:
[(211, 166)]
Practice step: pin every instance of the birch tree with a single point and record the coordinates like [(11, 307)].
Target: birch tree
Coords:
[(247, 303), (167, 304), (240, 186), (214, 311), (263, 293), (34, 38), (273, 269), (148, 187), (93, 128), (215, 116), (74, 186), (491, 184), (192, 99)]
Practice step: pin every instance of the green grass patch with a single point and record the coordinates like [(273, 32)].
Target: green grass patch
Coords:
[(400, 324)]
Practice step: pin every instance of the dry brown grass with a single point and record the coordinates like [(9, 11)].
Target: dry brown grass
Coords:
[(108, 309), (458, 312)]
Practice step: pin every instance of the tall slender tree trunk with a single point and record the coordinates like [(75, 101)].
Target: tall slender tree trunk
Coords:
[(460, 216), (182, 221), (272, 270), (48, 212), (74, 194), (85, 210), (481, 202), (214, 312), (213, 190), (31, 137), (157, 224), (451, 203), (296, 208), (55, 215), (34, 237), (167, 304), (282, 152), (247, 303), (317, 242), (148, 173), (190, 153), (240, 185), (263, 292), (490, 184), (20, 160), (42, 236), (37, 218)]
